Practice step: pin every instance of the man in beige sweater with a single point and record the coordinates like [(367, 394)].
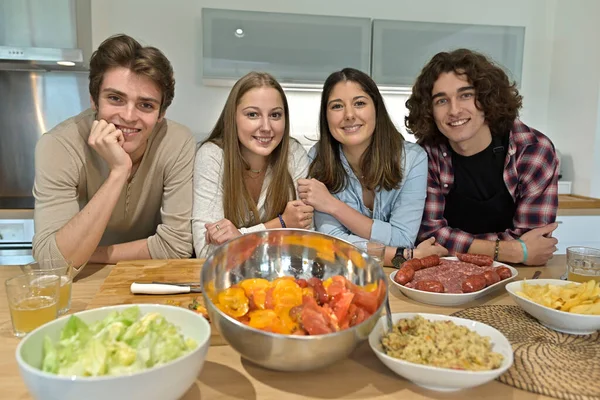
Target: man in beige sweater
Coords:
[(115, 182)]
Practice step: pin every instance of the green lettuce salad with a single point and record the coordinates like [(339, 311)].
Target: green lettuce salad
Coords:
[(120, 344)]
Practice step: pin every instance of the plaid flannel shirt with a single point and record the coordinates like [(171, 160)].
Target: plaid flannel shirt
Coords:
[(530, 174)]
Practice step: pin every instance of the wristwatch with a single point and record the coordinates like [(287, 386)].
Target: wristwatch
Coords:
[(399, 257)]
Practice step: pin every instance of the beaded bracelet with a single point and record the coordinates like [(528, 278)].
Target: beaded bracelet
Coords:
[(496, 249), (282, 222)]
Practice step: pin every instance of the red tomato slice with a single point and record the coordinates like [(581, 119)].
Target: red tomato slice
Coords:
[(340, 304), (315, 322), (349, 319), (367, 301)]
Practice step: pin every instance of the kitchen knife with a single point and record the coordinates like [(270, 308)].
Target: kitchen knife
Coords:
[(155, 288), (178, 283)]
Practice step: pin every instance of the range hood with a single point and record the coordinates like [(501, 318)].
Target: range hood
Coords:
[(43, 56), (45, 34)]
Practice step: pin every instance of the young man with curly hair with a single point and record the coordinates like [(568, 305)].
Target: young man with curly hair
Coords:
[(492, 180)]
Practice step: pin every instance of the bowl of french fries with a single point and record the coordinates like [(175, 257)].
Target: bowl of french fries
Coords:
[(564, 306)]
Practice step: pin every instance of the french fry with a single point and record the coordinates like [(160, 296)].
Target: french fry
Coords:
[(581, 298)]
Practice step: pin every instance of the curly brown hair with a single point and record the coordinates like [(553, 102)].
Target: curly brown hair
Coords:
[(380, 162), (497, 97), (124, 51)]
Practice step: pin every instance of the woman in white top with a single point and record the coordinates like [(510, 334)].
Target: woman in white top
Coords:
[(246, 172)]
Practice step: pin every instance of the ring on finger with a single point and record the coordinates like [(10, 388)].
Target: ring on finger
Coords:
[(218, 227)]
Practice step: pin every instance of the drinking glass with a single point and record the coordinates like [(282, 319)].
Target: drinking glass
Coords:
[(32, 300), (59, 268), (374, 249), (583, 264)]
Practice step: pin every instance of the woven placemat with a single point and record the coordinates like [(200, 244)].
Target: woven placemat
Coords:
[(545, 361)]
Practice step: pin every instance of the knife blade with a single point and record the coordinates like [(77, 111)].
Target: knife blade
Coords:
[(177, 283), (155, 288)]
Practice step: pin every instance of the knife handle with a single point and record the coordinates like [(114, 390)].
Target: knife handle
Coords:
[(156, 288)]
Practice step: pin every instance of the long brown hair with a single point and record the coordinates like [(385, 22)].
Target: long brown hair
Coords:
[(124, 51), (497, 97), (237, 201), (380, 162)]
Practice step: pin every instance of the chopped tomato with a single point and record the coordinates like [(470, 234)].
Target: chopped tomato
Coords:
[(359, 316), (371, 287), (366, 300), (252, 285), (269, 299), (315, 322), (233, 302), (321, 293), (336, 287), (288, 324), (286, 294), (263, 319), (340, 304), (302, 283), (350, 315), (295, 313), (308, 291)]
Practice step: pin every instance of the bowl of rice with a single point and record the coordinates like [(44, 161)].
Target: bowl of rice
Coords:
[(441, 353)]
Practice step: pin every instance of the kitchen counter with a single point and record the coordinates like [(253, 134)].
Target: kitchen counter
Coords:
[(226, 376)]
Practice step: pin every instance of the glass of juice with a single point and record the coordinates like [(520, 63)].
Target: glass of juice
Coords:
[(583, 264), (59, 268), (32, 299), (374, 249)]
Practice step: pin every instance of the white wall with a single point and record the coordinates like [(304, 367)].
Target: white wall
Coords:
[(174, 27), (574, 109)]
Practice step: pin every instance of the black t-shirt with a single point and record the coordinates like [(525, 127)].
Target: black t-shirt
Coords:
[(479, 201), (479, 177)]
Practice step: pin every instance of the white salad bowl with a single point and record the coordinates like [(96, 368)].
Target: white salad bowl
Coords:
[(162, 382), (436, 378), (561, 321)]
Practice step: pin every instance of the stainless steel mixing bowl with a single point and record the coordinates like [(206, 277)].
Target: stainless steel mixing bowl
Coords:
[(293, 252)]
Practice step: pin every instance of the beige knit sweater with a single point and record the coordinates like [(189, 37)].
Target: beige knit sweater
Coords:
[(155, 204)]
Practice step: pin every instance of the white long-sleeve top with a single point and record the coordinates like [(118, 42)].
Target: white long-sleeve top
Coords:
[(208, 189)]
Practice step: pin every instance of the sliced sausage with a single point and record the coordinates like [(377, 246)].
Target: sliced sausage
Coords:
[(477, 259), (404, 275), (473, 283), (430, 261), (430, 286), (415, 264), (491, 277), (504, 272)]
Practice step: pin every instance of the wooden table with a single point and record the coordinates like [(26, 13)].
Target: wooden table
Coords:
[(226, 376)]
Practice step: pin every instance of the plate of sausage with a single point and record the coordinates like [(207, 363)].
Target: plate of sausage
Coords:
[(451, 281)]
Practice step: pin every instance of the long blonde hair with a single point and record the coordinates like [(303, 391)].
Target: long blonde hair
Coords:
[(236, 197)]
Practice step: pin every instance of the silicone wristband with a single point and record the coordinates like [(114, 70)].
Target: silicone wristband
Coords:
[(524, 247), (282, 222)]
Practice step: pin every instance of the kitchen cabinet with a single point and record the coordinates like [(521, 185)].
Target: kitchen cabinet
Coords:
[(26, 23), (295, 48), (402, 48), (577, 230)]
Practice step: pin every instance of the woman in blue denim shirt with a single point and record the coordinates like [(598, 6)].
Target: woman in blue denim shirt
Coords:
[(367, 182)]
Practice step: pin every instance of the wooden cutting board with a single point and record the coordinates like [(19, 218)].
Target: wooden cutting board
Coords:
[(115, 289)]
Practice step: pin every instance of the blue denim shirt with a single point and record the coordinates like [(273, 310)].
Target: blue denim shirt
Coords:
[(396, 213)]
